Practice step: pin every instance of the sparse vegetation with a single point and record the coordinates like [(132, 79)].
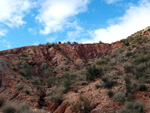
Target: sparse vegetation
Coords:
[(23, 68), (27, 92), (20, 87), (137, 39), (2, 102), (56, 95), (110, 93), (108, 83), (141, 58), (67, 83), (121, 74), (131, 86), (143, 87), (93, 73), (82, 105), (55, 46), (97, 86), (119, 96), (128, 68), (10, 109), (102, 61), (132, 107), (129, 54), (23, 108)]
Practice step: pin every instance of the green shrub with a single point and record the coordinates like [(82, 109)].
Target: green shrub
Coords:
[(24, 108), (52, 80), (86, 104), (132, 107), (57, 98), (101, 61), (82, 105), (27, 92), (93, 73), (109, 84), (138, 39), (24, 68), (131, 86), (2, 101), (119, 97), (97, 86), (141, 58), (36, 81), (65, 79), (129, 54), (20, 87), (110, 93), (126, 42), (55, 46), (128, 68), (57, 94), (143, 87), (67, 84), (141, 68), (105, 79), (10, 109)]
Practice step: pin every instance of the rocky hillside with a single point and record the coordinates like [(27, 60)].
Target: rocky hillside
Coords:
[(52, 59), (78, 78)]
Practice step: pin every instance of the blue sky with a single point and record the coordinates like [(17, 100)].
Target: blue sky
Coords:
[(33, 22)]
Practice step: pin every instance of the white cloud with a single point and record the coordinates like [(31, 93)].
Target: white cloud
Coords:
[(13, 11), (55, 14), (111, 1), (5, 43), (52, 39), (36, 43), (32, 31), (135, 19), (76, 33), (3, 32)]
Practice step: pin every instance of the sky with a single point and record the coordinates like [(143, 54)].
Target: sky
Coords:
[(34, 22)]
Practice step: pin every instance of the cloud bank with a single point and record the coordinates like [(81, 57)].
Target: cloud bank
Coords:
[(56, 14), (13, 11), (135, 19)]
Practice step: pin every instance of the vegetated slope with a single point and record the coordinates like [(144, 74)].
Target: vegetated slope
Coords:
[(78, 78), (24, 72)]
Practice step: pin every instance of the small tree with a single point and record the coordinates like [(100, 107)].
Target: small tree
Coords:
[(100, 42), (68, 42), (59, 42)]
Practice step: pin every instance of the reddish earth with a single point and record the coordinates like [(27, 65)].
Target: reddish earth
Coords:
[(45, 61), (55, 56)]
